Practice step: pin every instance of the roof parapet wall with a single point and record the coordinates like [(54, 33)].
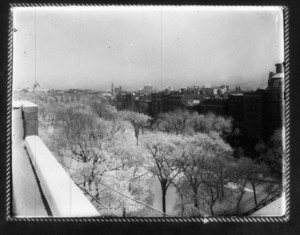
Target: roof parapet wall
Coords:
[(37, 173), (63, 196)]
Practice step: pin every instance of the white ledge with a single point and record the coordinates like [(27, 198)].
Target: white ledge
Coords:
[(23, 104), (63, 196)]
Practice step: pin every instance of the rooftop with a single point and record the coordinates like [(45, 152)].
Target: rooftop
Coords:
[(27, 199), (41, 187)]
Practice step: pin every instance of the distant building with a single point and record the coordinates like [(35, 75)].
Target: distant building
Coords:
[(192, 90), (222, 90), (118, 90), (37, 88), (73, 91), (275, 99), (255, 114), (218, 106), (156, 106), (237, 90), (143, 104), (172, 102), (191, 99), (235, 110), (127, 101), (148, 89), (36, 85), (208, 92), (107, 96)]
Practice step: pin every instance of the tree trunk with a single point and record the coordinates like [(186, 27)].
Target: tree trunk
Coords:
[(240, 198), (238, 203), (195, 201), (182, 205), (211, 210), (222, 190), (136, 133), (90, 184), (254, 193), (196, 204), (97, 190), (164, 200), (163, 184), (222, 185)]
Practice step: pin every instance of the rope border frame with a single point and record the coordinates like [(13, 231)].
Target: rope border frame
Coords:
[(286, 160)]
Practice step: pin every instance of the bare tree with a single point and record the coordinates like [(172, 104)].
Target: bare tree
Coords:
[(176, 122), (185, 122), (103, 109), (211, 122), (205, 163), (163, 149), (271, 153), (139, 121), (247, 171)]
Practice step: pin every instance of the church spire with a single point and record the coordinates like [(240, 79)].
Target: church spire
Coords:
[(112, 89)]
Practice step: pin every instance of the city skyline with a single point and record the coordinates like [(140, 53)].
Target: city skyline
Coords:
[(154, 89), (89, 48)]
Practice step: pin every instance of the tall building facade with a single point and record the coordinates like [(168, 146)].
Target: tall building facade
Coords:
[(156, 106), (218, 106), (255, 114), (235, 109), (275, 98)]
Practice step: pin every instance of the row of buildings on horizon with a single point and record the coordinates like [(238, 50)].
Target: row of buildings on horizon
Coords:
[(255, 113)]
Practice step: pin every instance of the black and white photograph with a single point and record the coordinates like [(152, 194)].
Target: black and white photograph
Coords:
[(148, 111)]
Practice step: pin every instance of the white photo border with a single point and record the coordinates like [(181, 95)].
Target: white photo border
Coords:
[(226, 219)]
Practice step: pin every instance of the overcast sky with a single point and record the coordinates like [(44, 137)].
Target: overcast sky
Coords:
[(88, 48)]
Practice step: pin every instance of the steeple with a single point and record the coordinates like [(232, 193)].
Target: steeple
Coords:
[(112, 89)]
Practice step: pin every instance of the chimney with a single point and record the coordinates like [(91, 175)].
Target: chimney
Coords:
[(28, 113), (279, 68)]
